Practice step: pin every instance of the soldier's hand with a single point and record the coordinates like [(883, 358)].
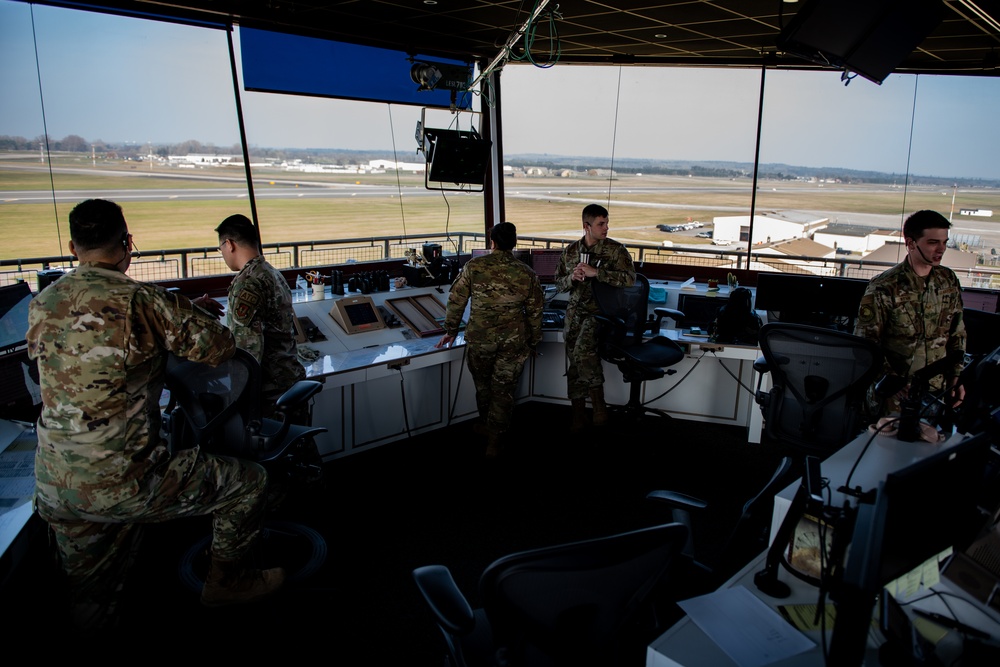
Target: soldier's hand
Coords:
[(213, 307), (584, 271), (445, 341), (957, 393)]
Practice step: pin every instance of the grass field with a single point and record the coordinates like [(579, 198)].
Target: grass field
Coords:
[(538, 206)]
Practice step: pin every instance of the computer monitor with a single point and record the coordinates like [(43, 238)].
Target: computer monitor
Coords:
[(699, 310), (813, 300), (545, 262), (14, 300), (20, 394), (917, 513)]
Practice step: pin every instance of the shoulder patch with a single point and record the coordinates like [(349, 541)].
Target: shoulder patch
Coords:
[(246, 304), (866, 313)]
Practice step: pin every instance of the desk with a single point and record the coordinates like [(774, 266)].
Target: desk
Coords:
[(17, 485), (715, 382), (685, 643), (366, 376)]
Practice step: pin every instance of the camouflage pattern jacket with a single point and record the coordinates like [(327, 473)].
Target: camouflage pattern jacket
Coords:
[(915, 320), (101, 341), (261, 317), (614, 266), (507, 301)]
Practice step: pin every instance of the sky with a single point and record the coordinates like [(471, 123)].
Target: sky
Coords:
[(127, 80)]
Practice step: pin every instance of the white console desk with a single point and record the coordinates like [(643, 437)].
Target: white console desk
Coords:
[(366, 375), (686, 644)]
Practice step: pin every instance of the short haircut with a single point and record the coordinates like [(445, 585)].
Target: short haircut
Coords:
[(504, 235), (593, 211), (921, 221), (97, 224), (239, 229)]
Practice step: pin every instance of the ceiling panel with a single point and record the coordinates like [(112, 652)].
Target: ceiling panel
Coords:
[(712, 32)]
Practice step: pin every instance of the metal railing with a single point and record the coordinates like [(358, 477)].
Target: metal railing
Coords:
[(178, 263)]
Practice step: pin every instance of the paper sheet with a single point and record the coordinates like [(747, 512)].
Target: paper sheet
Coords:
[(751, 633)]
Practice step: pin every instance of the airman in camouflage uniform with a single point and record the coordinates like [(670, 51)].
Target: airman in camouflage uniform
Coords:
[(260, 311), (609, 262), (505, 325), (914, 309), (101, 342)]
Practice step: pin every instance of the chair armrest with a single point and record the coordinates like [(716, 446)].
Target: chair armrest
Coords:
[(678, 500), (761, 365), (450, 608), (661, 312), (301, 391)]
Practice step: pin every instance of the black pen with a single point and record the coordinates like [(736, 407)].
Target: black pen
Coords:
[(949, 622)]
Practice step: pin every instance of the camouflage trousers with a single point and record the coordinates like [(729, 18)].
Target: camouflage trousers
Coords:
[(97, 545), (585, 370), (496, 370)]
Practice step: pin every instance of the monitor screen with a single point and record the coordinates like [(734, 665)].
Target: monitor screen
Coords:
[(918, 512), (932, 505), (814, 300), (20, 393), (699, 310), (545, 262), (14, 300)]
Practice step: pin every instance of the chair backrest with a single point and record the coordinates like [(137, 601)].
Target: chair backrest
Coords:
[(211, 406), (625, 308), (819, 377), (218, 408), (569, 604)]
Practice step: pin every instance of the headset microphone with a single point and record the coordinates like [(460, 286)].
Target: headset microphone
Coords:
[(922, 253)]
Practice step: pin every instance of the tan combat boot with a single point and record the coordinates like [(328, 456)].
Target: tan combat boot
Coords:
[(600, 407), (580, 418), (228, 582)]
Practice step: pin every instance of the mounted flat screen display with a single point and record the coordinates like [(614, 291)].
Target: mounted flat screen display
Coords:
[(275, 62), (14, 300), (869, 37)]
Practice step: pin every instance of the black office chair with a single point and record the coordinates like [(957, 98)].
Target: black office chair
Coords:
[(623, 321), (819, 379), (575, 604), (218, 409), (743, 536)]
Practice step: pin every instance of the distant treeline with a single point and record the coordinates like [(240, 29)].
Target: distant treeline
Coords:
[(709, 169)]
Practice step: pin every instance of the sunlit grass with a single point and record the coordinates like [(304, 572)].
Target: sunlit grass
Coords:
[(541, 207)]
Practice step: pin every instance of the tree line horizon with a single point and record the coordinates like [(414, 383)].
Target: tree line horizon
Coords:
[(73, 143)]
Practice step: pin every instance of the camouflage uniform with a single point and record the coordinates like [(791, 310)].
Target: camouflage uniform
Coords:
[(260, 315), (915, 320), (505, 324), (101, 341), (614, 266)]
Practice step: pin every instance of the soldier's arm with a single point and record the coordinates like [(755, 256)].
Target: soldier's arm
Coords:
[(458, 298), (245, 319), (533, 312), (564, 272), (183, 328), (619, 270), (957, 336)]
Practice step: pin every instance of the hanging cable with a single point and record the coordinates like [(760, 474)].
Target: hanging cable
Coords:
[(45, 134), (909, 153), (395, 159), (531, 32), (614, 134)]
